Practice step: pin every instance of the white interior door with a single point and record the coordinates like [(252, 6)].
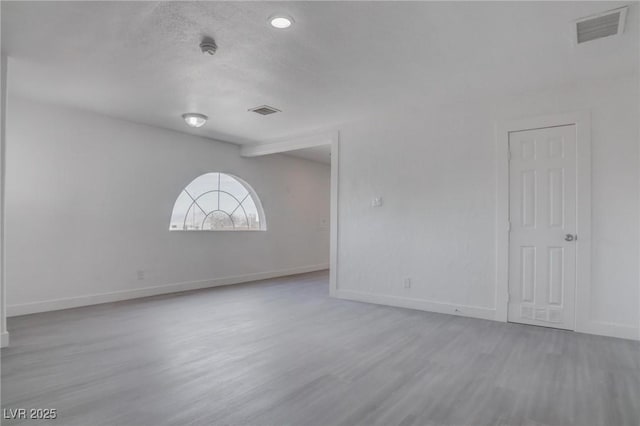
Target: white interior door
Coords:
[(542, 238)]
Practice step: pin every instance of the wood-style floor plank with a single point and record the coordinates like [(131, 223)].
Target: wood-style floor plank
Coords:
[(281, 352)]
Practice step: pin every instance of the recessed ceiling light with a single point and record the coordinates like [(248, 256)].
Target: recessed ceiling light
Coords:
[(281, 21), (194, 119)]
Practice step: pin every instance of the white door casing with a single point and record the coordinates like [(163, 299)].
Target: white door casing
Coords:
[(543, 231), (582, 122)]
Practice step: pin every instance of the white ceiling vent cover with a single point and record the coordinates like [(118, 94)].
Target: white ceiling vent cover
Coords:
[(609, 23), (265, 110)]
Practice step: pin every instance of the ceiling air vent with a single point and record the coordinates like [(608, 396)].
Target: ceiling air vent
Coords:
[(602, 25), (265, 110)]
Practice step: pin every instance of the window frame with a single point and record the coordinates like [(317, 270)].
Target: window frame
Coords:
[(251, 193)]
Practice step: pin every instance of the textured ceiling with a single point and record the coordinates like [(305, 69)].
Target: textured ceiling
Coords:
[(341, 61)]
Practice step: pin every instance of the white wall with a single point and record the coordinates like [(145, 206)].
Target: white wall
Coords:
[(89, 200), (435, 168), (4, 336)]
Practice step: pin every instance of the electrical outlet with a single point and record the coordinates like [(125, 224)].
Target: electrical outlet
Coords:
[(140, 275), (376, 202), (407, 283)]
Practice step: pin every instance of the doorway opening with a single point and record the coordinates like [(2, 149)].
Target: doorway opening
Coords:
[(325, 148)]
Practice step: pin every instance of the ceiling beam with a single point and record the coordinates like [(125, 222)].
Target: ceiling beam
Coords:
[(291, 144)]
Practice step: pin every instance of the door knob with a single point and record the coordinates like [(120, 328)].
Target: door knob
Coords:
[(570, 237)]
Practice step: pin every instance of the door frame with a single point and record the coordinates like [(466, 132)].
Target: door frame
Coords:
[(582, 121), (322, 138)]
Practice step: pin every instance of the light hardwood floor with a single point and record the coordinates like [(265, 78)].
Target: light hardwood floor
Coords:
[(281, 352)]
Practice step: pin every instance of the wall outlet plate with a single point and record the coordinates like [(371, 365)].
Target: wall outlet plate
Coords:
[(376, 202)]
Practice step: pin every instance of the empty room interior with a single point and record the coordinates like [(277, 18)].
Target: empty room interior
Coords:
[(320, 213)]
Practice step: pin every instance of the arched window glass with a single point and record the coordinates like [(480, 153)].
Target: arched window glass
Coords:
[(217, 202)]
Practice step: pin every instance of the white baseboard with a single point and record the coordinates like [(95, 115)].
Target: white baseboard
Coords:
[(420, 304), (4, 340), (611, 329), (593, 327), (94, 299)]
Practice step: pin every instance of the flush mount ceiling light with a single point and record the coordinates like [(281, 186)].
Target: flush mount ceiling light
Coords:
[(194, 119), (281, 21)]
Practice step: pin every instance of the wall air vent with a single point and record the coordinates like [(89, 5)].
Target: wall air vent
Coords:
[(609, 23), (265, 110)]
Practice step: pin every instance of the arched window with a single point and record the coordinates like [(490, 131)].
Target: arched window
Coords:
[(217, 202)]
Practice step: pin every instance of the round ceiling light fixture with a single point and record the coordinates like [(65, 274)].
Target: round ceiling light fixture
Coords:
[(281, 21), (193, 119)]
